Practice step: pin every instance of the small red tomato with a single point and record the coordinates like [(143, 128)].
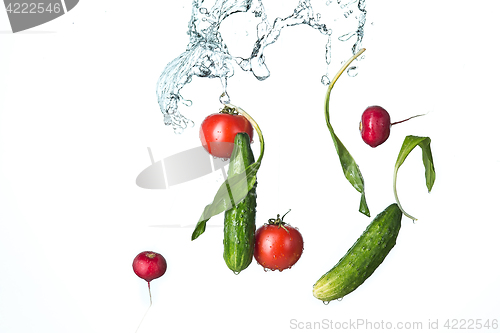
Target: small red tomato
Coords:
[(218, 130), (278, 245)]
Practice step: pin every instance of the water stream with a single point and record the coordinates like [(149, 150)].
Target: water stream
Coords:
[(207, 55)]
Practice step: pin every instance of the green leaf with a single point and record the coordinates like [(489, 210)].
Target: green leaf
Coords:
[(349, 166), (409, 144), (351, 170), (234, 189)]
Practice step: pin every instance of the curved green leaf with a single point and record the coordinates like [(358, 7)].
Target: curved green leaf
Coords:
[(349, 166), (230, 193), (409, 144), (351, 170)]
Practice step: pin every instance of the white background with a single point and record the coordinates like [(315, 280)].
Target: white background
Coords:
[(78, 110)]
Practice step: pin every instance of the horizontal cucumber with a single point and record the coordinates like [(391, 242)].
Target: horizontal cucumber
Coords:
[(239, 221), (363, 258)]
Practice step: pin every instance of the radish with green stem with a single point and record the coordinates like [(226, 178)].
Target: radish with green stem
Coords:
[(375, 125)]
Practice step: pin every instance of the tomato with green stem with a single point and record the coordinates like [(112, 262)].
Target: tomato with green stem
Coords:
[(278, 245), (218, 130)]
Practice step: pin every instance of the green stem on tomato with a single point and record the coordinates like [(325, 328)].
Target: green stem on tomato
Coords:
[(255, 125)]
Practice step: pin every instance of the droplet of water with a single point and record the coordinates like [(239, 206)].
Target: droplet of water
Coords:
[(325, 80), (347, 36), (348, 4), (224, 98), (328, 50), (340, 299), (326, 302), (347, 13), (352, 71), (236, 273)]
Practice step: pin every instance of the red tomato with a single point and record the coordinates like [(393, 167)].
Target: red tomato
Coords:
[(218, 130), (278, 245)]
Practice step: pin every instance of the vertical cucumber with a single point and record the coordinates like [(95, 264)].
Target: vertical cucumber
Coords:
[(239, 221), (359, 263)]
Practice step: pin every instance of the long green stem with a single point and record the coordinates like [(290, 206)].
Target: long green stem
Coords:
[(330, 86), (349, 166), (396, 195), (255, 125)]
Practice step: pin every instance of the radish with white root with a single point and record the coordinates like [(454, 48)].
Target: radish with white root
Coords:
[(149, 265)]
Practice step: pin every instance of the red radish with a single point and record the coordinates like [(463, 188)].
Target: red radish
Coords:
[(149, 265), (375, 125)]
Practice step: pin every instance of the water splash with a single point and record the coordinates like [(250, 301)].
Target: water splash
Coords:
[(352, 71), (207, 55), (268, 34)]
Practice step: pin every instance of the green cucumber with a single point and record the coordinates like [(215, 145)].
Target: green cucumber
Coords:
[(359, 263), (239, 221)]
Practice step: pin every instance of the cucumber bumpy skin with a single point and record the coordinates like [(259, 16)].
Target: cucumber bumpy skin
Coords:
[(239, 221), (366, 254)]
